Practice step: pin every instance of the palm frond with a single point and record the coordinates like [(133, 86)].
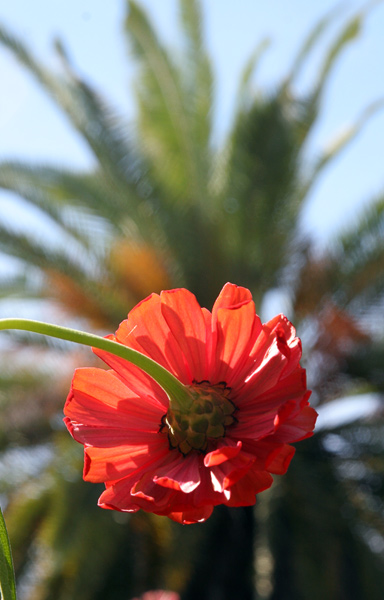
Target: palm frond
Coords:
[(88, 113), (338, 145), (198, 74), (256, 201), (351, 272), (349, 33), (166, 127), (310, 43), (244, 93), (361, 257), (310, 107), (75, 280)]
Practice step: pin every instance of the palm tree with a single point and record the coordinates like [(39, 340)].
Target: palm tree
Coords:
[(163, 207)]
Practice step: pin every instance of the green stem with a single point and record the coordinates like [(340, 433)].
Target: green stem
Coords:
[(177, 392)]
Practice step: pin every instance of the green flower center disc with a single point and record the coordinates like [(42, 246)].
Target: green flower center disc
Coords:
[(211, 413)]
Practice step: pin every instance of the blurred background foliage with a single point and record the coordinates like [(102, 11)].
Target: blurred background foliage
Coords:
[(165, 207)]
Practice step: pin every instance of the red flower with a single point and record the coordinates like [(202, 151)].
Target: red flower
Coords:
[(250, 402), (158, 595)]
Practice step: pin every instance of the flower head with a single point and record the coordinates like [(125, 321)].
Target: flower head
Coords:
[(248, 403), (158, 595)]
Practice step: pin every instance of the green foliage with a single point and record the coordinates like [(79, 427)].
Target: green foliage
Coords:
[(7, 577)]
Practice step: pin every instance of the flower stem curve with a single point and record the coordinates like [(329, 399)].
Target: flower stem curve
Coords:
[(177, 392)]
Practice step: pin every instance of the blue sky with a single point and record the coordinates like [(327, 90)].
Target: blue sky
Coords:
[(31, 128)]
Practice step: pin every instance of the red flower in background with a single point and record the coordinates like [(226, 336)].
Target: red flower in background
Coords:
[(159, 595), (250, 402)]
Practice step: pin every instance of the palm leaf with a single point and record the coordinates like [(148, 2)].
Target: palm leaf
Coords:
[(255, 200), (310, 43), (166, 126), (244, 92), (199, 77), (88, 113), (338, 144)]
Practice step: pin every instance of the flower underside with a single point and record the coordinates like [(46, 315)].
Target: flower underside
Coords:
[(211, 413), (212, 433)]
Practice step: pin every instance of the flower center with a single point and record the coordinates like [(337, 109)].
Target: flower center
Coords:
[(210, 415)]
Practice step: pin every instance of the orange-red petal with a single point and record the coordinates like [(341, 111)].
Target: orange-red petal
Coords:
[(193, 515), (235, 326), (99, 398), (112, 464), (181, 475), (147, 331), (243, 492), (225, 451), (186, 321)]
